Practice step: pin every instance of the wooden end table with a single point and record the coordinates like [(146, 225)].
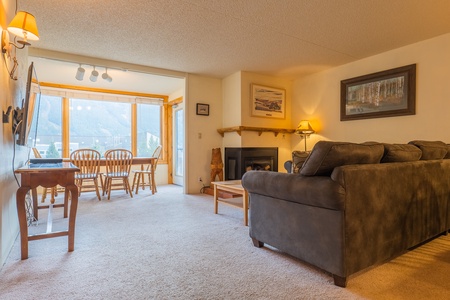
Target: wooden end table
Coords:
[(234, 186)]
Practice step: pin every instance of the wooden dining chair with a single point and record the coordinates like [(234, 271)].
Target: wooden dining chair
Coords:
[(139, 175), (53, 190), (118, 166), (88, 161)]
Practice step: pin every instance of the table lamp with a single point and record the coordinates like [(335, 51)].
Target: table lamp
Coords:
[(304, 128)]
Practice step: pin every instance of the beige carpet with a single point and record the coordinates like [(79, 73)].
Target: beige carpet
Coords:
[(172, 246)]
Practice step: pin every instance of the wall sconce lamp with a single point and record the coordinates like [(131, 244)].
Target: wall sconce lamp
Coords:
[(24, 26), (304, 128)]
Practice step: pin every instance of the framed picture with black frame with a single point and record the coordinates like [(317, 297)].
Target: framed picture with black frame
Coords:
[(202, 109), (383, 94)]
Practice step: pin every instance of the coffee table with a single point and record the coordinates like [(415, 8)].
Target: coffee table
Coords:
[(234, 186)]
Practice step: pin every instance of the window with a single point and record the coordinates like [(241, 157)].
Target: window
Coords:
[(148, 128), (99, 125), (73, 120), (49, 131)]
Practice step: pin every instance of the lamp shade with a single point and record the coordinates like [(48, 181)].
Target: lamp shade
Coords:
[(304, 128), (24, 26)]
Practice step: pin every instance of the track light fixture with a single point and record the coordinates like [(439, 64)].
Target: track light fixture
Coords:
[(80, 73), (94, 75), (106, 76)]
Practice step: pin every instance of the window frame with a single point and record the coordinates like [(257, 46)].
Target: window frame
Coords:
[(65, 114)]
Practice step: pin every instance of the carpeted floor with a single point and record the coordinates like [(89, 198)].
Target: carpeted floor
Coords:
[(172, 246)]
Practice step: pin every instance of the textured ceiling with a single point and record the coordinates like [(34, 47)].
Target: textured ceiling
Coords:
[(288, 38)]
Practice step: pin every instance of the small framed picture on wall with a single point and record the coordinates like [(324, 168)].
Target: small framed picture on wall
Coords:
[(202, 109)]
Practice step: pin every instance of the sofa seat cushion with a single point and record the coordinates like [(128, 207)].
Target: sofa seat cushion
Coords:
[(327, 155), (431, 149), (400, 153)]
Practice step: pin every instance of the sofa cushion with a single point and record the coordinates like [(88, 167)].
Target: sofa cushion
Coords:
[(298, 158), (431, 149), (400, 153), (327, 155)]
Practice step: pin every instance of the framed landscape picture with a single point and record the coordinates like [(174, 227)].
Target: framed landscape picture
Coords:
[(268, 102), (383, 94)]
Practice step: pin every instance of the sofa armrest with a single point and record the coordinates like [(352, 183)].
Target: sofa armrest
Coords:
[(319, 191)]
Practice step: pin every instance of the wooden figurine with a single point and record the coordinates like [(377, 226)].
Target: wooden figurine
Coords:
[(216, 165)]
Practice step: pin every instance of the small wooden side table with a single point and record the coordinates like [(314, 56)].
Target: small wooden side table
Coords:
[(47, 175), (234, 186)]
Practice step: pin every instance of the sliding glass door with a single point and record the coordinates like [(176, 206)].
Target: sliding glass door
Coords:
[(178, 145)]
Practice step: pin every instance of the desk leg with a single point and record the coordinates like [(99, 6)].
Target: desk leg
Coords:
[(152, 168), (72, 214), (216, 197), (34, 196), (66, 202), (22, 215), (245, 207)]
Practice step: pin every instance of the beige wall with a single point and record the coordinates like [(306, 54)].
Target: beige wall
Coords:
[(317, 98), (201, 131), (11, 93)]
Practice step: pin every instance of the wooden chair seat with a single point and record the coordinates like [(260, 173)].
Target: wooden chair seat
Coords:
[(54, 190), (139, 175), (88, 161), (118, 167)]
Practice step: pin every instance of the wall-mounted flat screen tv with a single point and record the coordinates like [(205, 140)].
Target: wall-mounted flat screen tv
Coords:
[(24, 116)]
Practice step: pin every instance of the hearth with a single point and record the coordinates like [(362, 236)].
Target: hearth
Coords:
[(240, 160)]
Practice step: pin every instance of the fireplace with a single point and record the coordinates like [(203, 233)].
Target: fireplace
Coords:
[(240, 160)]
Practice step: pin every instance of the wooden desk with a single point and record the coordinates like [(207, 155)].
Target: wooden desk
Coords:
[(47, 176), (234, 186)]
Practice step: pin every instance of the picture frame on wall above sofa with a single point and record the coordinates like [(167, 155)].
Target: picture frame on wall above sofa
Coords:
[(383, 94), (268, 102)]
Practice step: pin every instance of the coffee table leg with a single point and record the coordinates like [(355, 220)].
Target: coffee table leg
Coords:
[(216, 197), (245, 207)]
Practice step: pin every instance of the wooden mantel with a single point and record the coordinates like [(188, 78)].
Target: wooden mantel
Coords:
[(260, 130)]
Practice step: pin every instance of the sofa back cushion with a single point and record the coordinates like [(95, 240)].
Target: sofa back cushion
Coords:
[(447, 156), (400, 153), (431, 149), (327, 155)]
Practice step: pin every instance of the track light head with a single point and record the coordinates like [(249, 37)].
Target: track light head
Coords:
[(94, 75), (106, 76), (80, 73)]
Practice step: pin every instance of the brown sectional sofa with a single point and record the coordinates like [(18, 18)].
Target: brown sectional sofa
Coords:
[(352, 206)]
